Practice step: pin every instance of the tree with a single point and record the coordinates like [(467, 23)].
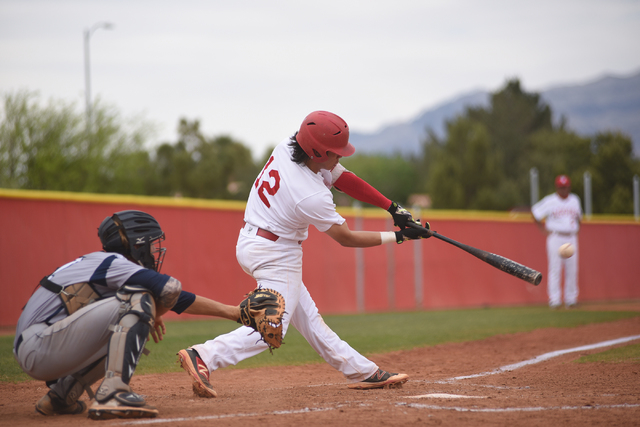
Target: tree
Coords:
[(612, 170), (462, 170), (197, 166), (512, 118), (394, 176), (483, 161), (48, 148), (485, 158), (559, 152)]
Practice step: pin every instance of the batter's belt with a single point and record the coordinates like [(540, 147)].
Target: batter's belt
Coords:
[(266, 234), (560, 233)]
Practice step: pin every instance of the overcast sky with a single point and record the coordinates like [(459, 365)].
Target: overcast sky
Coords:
[(254, 69)]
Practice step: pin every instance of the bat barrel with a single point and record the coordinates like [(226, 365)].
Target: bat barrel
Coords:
[(498, 261), (537, 278), (523, 272)]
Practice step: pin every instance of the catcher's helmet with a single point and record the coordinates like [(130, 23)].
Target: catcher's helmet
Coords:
[(322, 131), (134, 234)]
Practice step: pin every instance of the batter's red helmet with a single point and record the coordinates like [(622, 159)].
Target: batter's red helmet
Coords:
[(563, 181), (322, 131)]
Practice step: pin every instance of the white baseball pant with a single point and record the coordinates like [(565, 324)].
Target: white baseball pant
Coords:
[(278, 265), (555, 266)]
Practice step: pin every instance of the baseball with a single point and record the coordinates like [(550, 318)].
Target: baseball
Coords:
[(567, 250)]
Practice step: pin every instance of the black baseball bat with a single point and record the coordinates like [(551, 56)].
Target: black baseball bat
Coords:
[(505, 264)]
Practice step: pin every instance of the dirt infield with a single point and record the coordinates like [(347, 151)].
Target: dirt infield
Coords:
[(553, 392)]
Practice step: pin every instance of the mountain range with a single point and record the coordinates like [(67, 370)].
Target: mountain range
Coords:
[(608, 103)]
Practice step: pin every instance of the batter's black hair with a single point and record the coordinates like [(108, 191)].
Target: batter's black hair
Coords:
[(298, 156)]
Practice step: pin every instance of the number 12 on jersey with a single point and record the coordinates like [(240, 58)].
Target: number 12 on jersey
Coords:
[(265, 186)]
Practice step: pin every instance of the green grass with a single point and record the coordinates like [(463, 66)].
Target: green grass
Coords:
[(368, 333), (627, 354)]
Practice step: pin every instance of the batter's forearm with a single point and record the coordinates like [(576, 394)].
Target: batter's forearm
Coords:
[(354, 239), (362, 239)]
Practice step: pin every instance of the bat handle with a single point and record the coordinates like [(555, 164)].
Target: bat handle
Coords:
[(421, 228)]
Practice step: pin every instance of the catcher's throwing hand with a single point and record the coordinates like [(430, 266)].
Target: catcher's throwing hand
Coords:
[(262, 310), (401, 216), (158, 330)]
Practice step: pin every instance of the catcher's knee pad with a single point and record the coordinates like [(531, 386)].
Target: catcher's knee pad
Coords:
[(130, 334)]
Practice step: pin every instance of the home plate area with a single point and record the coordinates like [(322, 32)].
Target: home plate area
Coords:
[(445, 396), (519, 379)]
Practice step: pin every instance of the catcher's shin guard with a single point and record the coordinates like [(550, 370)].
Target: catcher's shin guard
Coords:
[(127, 342)]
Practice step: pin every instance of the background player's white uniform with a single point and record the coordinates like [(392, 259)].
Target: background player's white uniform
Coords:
[(286, 198), (562, 222)]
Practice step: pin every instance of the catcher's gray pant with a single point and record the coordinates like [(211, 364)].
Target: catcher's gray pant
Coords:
[(70, 345), (70, 354), (278, 265)]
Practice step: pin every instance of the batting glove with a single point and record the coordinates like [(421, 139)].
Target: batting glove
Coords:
[(413, 233), (401, 216)]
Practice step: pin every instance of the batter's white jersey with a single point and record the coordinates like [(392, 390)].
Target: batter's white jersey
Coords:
[(562, 215), (287, 197)]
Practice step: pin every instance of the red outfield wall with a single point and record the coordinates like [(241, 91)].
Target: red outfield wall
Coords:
[(43, 230)]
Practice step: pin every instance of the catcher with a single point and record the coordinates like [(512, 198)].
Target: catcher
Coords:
[(91, 318)]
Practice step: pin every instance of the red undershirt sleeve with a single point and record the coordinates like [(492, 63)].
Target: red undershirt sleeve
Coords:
[(359, 189)]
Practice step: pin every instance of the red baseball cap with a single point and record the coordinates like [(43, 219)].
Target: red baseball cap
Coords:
[(563, 181)]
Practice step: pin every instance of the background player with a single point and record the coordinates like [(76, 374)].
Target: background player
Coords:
[(561, 213), (101, 308), (292, 192)]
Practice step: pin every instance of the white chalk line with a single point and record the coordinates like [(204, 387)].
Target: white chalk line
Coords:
[(506, 368), (547, 356), (525, 409), (219, 417), (445, 396)]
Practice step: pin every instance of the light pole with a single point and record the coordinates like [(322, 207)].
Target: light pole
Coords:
[(87, 67)]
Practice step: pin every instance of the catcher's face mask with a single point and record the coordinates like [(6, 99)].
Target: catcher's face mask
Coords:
[(149, 254), (158, 252)]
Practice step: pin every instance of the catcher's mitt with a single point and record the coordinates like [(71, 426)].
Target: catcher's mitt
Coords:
[(262, 310)]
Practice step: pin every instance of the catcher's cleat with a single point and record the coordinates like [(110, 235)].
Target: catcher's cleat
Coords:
[(381, 379), (192, 363), (51, 404), (122, 405)]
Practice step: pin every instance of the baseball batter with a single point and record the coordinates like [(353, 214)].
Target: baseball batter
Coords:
[(291, 193), (558, 215), (90, 319)]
